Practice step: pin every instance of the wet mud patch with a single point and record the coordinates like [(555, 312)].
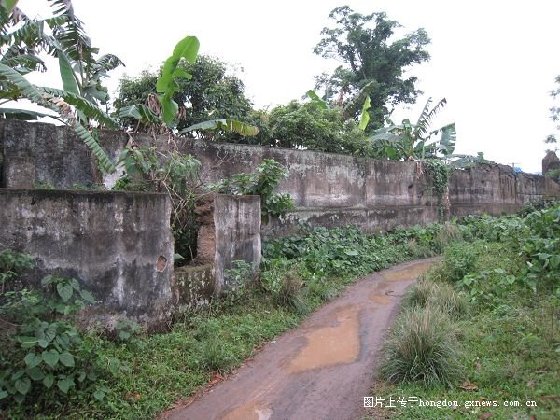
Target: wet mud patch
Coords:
[(330, 345)]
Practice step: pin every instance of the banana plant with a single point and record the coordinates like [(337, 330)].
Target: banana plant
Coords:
[(21, 39), (412, 141), (61, 102), (164, 109)]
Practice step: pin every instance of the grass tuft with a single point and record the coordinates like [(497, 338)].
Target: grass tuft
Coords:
[(422, 347)]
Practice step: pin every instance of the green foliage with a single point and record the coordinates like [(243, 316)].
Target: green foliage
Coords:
[(263, 182), (81, 73), (207, 99), (227, 125), (510, 340), (438, 174), (348, 251), (541, 250), (361, 42), (166, 85), (411, 141), (533, 237), (45, 358), (126, 330), (422, 347), (314, 126), (283, 280), (12, 263), (147, 169)]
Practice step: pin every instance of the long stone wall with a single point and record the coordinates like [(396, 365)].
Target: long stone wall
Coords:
[(328, 189), (118, 245)]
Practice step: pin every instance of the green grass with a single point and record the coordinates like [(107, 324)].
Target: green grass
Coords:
[(422, 346), (510, 336), (512, 354), (164, 368), (160, 369)]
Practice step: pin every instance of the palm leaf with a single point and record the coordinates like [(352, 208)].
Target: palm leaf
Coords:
[(426, 116), (89, 109), (364, 117), (226, 124), (187, 49), (23, 114), (69, 82), (138, 112), (45, 98), (24, 63), (311, 94), (447, 141)]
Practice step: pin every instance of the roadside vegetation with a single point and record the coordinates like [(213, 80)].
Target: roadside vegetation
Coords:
[(482, 328), (137, 375)]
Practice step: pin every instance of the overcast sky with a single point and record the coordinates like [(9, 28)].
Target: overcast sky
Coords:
[(494, 60)]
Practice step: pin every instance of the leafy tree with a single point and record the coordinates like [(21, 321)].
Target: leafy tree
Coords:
[(209, 92), (374, 65), (314, 126)]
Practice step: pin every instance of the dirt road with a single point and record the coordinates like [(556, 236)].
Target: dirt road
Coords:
[(321, 370)]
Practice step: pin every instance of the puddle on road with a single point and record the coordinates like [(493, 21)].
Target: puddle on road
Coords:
[(383, 299), (330, 345), (408, 273), (249, 411)]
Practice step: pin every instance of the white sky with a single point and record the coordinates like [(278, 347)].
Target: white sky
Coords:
[(494, 60)]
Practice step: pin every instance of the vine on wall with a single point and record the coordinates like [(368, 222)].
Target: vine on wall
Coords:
[(438, 173)]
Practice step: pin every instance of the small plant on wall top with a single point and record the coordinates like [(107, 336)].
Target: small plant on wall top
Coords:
[(262, 182)]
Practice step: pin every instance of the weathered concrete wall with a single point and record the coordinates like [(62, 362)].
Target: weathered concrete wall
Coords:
[(39, 154), (194, 285), (237, 220), (118, 245), (492, 189), (328, 189)]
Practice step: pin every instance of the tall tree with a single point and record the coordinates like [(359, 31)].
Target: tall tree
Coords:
[(374, 63)]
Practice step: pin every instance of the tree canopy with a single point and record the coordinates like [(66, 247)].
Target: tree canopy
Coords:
[(209, 93), (374, 63)]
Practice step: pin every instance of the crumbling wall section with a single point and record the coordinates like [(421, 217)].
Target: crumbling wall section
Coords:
[(118, 245), (237, 221)]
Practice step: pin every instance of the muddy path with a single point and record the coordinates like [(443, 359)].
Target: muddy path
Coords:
[(322, 369)]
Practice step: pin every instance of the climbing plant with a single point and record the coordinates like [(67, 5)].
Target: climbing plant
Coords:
[(438, 174)]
